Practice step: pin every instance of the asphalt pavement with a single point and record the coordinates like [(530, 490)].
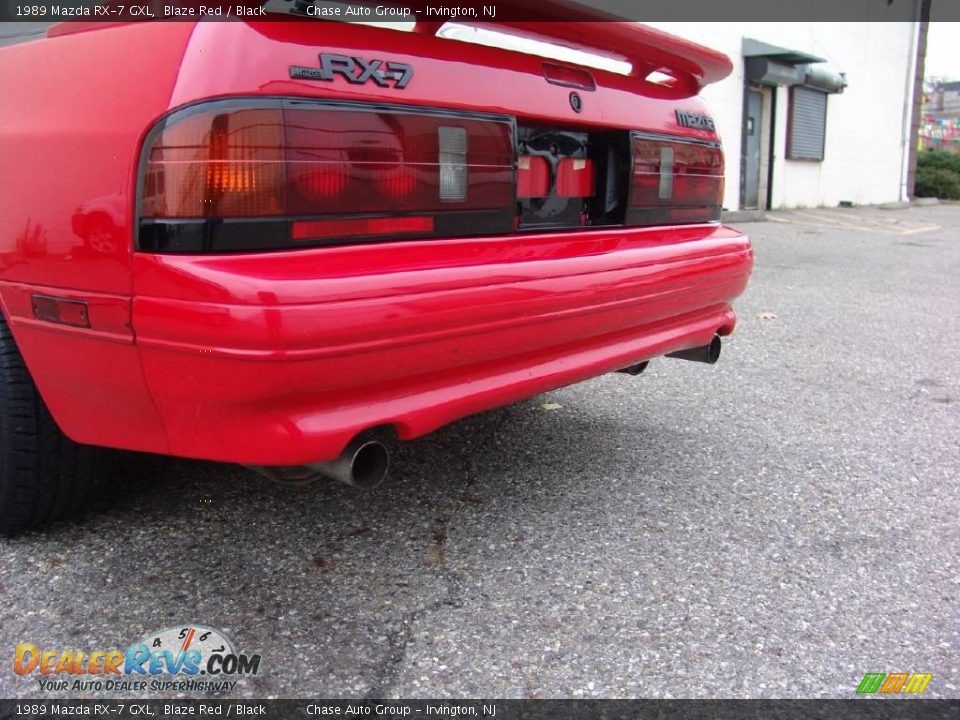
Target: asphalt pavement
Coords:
[(774, 526)]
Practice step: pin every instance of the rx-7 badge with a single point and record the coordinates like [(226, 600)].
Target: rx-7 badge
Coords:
[(356, 70)]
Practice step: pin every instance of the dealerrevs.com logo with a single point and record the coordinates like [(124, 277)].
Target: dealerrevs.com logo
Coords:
[(177, 659)]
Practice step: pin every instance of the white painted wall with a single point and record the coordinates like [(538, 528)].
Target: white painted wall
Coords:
[(865, 142)]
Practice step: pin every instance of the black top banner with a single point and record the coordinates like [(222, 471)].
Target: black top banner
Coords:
[(475, 11), (913, 709)]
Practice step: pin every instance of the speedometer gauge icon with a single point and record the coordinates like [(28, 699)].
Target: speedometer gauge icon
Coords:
[(182, 638)]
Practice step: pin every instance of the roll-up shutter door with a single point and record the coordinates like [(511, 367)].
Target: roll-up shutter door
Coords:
[(808, 123)]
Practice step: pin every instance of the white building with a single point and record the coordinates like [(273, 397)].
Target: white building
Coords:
[(782, 149)]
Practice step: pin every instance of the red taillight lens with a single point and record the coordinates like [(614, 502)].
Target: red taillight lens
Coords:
[(226, 164), (675, 181), (297, 160), (321, 184), (401, 162), (575, 177), (533, 176)]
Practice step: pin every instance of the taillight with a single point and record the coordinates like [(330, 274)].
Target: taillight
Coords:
[(291, 173), (575, 177), (674, 182), (533, 176)]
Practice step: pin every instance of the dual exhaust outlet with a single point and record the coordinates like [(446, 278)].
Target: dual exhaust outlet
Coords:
[(708, 354), (364, 463)]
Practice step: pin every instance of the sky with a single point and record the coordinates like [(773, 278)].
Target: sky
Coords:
[(943, 55)]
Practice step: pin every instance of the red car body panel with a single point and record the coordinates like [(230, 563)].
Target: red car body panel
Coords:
[(280, 358)]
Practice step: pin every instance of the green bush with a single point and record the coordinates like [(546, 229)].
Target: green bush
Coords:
[(937, 182), (938, 175), (939, 159)]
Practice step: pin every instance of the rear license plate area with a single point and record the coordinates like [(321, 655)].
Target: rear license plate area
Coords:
[(571, 178)]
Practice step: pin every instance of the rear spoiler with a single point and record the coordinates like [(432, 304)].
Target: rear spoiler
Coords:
[(580, 27), (566, 23)]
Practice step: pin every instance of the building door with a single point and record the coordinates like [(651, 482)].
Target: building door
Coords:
[(751, 149)]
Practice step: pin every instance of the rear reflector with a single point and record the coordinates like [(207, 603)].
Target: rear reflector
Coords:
[(349, 227), (60, 311)]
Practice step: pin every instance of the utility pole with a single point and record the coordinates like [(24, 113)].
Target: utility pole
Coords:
[(916, 115)]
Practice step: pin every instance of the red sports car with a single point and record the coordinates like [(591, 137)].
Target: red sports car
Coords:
[(271, 243)]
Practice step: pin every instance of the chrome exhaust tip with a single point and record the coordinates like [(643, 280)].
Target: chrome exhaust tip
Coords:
[(363, 464)]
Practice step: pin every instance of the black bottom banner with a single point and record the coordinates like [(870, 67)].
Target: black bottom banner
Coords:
[(860, 709)]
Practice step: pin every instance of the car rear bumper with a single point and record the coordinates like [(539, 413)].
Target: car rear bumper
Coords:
[(281, 359)]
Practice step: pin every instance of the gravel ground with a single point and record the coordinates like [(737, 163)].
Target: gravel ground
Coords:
[(774, 526)]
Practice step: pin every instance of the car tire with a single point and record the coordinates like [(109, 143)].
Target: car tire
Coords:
[(44, 476)]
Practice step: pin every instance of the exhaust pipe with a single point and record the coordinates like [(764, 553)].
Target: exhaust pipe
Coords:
[(363, 464), (635, 369), (708, 354)]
